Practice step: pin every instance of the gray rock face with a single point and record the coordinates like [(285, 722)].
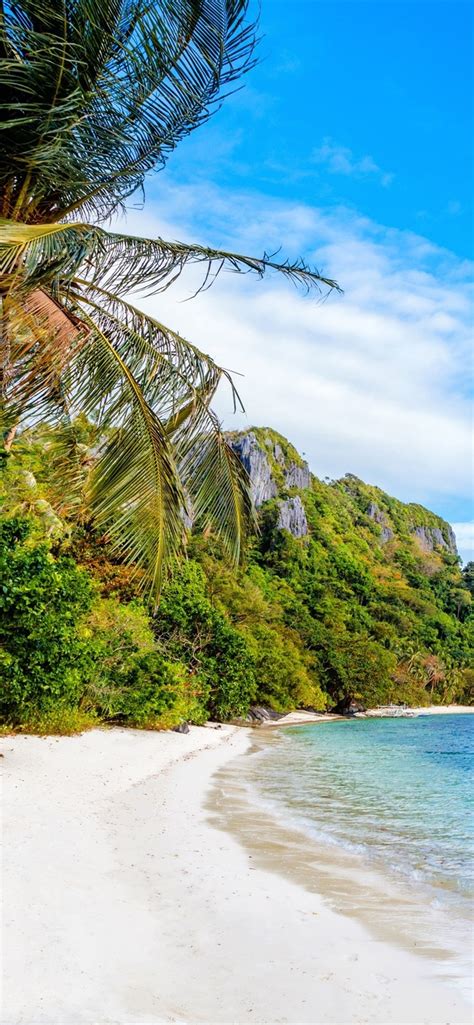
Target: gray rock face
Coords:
[(348, 706), (298, 476), (291, 513), (379, 517), (255, 459), (452, 543), (278, 453), (375, 513), (430, 538), (292, 517), (258, 467)]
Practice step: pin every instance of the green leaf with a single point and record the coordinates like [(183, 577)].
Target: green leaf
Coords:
[(94, 94), (56, 254)]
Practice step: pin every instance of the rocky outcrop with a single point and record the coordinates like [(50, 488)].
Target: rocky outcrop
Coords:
[(349, 706), (292, 517), (259, 456), (379, 517), (277, 451), (430, 538), (259, 714), (375, 513), (452, 543), (298, 476), (257, 464), (275, 469)]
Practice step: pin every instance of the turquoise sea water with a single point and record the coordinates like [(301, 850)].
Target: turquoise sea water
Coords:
[(396, 791)]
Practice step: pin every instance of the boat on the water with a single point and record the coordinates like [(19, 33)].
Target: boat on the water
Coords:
[(393, 712)]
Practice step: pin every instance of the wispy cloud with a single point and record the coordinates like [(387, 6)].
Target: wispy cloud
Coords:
[(373, 382), (341, 160)]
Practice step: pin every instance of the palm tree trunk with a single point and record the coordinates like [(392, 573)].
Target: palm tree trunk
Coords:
[(9, 438)]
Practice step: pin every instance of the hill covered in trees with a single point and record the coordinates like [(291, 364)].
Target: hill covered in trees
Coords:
[(345, 592)]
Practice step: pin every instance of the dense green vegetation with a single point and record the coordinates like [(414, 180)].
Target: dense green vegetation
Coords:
[(93, 517), (345, 611), (95, 96)]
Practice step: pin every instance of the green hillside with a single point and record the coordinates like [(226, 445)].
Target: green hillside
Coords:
[(345, 592)]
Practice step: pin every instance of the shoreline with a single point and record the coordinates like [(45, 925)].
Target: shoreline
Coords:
[(423, 710), (393, 907), (302, 718), (126, 905)]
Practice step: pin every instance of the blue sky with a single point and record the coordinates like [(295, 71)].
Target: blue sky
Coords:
[(390, 82), (350, 144)]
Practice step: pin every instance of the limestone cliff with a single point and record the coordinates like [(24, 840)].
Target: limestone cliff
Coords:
[(276, 471), (292, 517), (279, 475), (257, 463)]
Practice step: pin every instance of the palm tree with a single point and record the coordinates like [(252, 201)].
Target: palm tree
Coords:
[(95, 94)]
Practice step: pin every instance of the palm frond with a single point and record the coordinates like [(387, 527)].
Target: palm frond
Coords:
[(40, 340), (55, 254), (215, 481), (148, 391), (95, 93), (134, 489), (150, 265), (156, 352)]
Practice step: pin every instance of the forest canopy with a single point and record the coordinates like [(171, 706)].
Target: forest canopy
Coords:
[(369, 604)]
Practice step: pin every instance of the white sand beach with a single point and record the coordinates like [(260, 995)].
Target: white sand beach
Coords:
[(124, 905)]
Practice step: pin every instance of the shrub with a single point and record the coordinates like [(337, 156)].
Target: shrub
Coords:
[(42, 600), (156, 693), (116, 634), (285, 679), (358, 667), (196, 631)]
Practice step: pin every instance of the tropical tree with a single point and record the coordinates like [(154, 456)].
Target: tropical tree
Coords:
[(94, 95)]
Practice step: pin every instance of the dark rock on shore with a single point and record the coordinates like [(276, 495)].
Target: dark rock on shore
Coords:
[(262, 713), (348, 706), (258, 714)]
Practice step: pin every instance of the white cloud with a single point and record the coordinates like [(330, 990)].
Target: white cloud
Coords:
[(372, 382), (465, 539), (341, 160)]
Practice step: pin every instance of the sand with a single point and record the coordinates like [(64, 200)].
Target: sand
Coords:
[(428, 710), (298, 718), (304, 718), (125, 905)]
